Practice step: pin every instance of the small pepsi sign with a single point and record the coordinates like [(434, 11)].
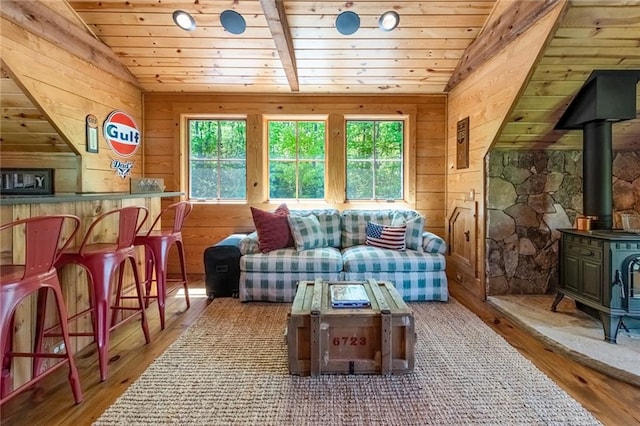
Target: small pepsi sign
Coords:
[(121, 133)]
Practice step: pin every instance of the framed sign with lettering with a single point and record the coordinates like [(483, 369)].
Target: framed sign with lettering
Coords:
[(27, 181), (462, 144)]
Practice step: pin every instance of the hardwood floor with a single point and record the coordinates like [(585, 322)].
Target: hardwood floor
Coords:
[(612, 401), (51, 403)]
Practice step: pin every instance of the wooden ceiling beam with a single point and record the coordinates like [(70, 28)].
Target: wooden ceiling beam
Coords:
[(49, 25), (279, 26), (515, 20)]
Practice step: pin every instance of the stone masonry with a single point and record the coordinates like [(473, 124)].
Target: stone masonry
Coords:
[(532, 194)]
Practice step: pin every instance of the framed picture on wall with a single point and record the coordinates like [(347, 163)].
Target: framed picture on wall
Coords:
[(92, 133), (462, 144), (26, 181)]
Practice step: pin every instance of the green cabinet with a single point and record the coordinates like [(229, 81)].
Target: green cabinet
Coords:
[(581, 267)]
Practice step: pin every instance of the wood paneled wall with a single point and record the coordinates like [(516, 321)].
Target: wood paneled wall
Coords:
[(487, 96), (165, 157), (66, 88), (66, 166)]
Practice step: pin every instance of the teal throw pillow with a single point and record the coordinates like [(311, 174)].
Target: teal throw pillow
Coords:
[(415, 228), (307, 232)]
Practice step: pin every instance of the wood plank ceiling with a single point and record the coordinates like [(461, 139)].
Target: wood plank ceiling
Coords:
[(22, 123), (593, 35), (425, 54), (417, 57)]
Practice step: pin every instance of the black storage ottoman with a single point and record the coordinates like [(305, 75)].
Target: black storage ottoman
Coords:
[(222, 267)]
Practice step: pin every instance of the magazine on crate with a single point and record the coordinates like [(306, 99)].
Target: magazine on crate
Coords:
[(349, 296)]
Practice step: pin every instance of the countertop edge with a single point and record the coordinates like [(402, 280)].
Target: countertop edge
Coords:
[(12, 200)]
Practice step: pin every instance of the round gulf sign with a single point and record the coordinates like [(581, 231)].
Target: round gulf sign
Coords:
[(121, 133)]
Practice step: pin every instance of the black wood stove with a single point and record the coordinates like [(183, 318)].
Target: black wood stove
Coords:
[(600, 268)]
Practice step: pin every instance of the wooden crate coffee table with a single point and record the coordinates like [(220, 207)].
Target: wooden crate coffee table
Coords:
[(375, 340)]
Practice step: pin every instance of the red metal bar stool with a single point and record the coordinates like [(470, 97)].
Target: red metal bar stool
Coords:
[(45, 237), (101, 259), (158, 243)]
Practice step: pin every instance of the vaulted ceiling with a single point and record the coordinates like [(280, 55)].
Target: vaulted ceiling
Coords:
[(594, 35), (293, 46), (288, 46)]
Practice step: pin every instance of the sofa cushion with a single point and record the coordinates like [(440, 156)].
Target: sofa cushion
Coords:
[(412, 286), (273, 228), (307, 233), (329, 220), (277, 286), (326, 259), (415, 227), (374, 259), (354, 224), (385, 236)]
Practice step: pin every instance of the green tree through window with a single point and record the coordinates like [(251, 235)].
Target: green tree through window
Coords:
[(296, 159), (375, 159), (217, 159)]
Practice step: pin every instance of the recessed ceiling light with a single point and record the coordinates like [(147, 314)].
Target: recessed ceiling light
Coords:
[(233, 22), (389, 20), (184, 20), (347, 23)]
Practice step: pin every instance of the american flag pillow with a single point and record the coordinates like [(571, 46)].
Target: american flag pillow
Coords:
[(385, 236)]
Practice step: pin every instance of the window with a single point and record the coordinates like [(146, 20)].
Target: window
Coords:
[(296, 159), (375, 159), (217, 159)]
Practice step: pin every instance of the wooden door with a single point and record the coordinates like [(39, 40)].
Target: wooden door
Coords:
[(462, 254)]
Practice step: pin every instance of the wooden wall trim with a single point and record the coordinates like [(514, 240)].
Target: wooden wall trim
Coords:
[(255, 158), (336, 155)]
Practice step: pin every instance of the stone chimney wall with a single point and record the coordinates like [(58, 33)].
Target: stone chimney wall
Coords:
[(532, 194)]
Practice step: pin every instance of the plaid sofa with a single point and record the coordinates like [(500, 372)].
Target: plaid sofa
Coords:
[(418, 272)]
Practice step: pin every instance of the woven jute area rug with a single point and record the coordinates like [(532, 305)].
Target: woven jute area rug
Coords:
[(230, 368)]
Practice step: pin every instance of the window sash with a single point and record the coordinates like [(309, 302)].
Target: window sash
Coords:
[(278, 157), (224, 176), (374, 159)]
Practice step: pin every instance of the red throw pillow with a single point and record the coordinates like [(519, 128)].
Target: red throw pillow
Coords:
[(273, 228)]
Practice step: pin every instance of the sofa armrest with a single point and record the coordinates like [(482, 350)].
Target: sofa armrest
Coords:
[(249, 244), (231, 240), (431, 243)]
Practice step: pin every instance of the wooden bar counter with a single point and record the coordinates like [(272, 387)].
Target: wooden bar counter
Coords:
[(72, 277)]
